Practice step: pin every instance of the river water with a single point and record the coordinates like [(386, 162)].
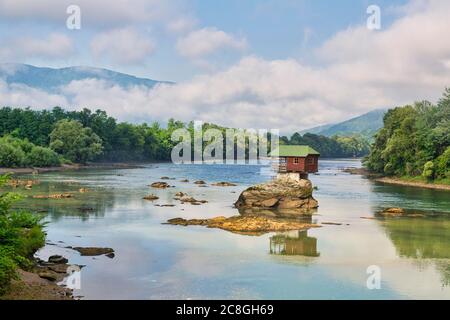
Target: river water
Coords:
[(158, 261)]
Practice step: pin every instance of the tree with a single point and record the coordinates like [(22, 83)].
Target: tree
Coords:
[(74, 142), (42, 157), (10, 156), (414, 141)]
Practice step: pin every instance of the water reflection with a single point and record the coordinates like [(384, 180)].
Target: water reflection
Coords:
[(294, 243), (427, 238)]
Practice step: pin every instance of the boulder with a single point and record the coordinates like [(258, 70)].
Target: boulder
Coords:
[(199, 182), (57, 259), (48, 275), (290, 195)]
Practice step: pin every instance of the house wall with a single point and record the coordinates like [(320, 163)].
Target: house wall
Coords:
[(310, 164)]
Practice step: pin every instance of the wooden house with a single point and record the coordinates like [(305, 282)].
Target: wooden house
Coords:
[(296, 159)]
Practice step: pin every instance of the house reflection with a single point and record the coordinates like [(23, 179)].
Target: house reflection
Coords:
[(294, 243)]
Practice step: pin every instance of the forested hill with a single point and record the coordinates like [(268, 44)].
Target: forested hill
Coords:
[(50, 79), (414, 142), (366, 125)]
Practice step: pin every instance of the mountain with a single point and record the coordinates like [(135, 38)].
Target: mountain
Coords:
[(367, 125), (50, 79)]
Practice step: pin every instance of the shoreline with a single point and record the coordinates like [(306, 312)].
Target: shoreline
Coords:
[(69, 167), (30, 286), (397, 181)]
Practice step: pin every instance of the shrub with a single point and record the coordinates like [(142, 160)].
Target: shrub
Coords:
[(10, 156), (42, 157), (20, 236), (7, 270), (428, 170), (443, 165)]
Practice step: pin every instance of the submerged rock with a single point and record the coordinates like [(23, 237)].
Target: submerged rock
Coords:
[(151, 197), (93, 251), (54, 196), (285, 196), (399, 212), (251, 225), (224, 184), (201, 182), (160, 185)]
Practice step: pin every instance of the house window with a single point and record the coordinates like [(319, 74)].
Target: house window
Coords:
[(296, 160)]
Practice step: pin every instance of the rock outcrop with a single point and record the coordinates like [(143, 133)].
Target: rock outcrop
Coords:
[(278, 197), (250, 225)]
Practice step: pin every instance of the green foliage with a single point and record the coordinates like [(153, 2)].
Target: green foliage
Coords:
[(443, 164), (414, 141), (42, 157), (11, 156), (75, 142), (334, 147), (428, 170), (20, 236), (15, 152)]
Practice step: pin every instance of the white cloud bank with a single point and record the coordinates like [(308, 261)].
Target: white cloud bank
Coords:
[(361, 70)]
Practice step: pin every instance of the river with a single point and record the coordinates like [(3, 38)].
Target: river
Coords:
[(158, 261)]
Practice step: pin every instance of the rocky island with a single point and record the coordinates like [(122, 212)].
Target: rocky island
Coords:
[(278, 205), (283, 196)]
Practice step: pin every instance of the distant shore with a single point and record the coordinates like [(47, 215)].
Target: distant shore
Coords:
[(67, 167), (396, 181), (401, 182)]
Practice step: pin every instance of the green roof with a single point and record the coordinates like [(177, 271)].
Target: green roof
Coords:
[(294, 151)]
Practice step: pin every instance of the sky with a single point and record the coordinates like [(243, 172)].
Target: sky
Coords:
[(280, 64)]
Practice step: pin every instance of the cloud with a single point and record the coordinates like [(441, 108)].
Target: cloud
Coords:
[(181, 24), (24, 96), (54, 46), (203, 42), (359, 70), (97, 13), (123, 46)]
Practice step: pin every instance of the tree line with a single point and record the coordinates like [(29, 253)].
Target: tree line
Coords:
[(331, 147), (51, 137), (414, 142)]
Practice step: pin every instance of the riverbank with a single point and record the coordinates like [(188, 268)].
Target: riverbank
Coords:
[(400, 181), (30, 286), (409, 183), (70, 167)]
